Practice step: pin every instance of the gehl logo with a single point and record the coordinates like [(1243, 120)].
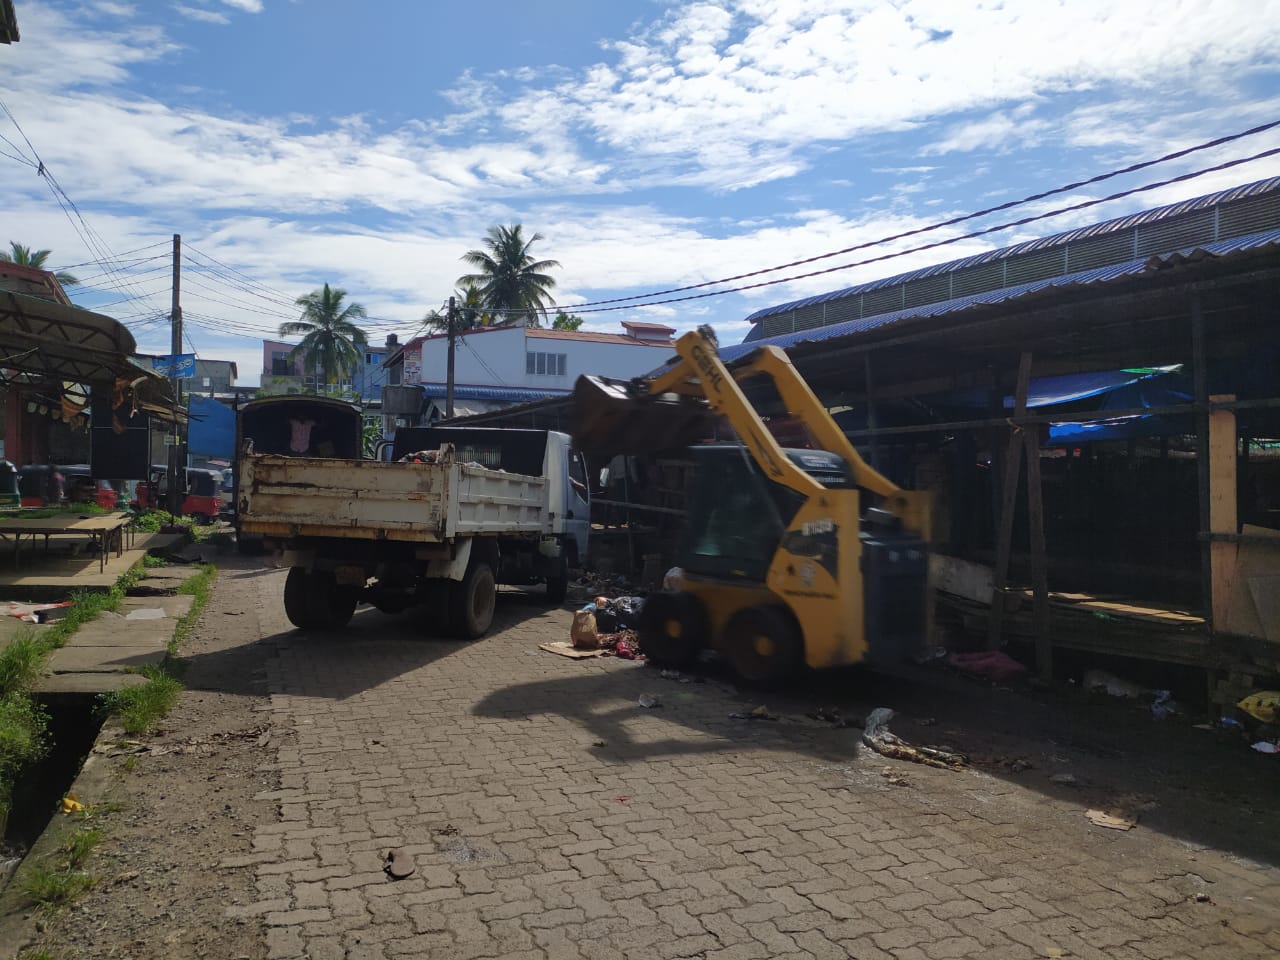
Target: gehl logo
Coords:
[(710, 375)]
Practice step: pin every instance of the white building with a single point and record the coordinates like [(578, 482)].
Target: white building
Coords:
[(500, 366)]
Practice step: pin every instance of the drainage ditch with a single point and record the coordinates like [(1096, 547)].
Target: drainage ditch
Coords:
[(74, 720)]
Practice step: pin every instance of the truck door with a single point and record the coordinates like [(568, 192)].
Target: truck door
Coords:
[(578, 506)]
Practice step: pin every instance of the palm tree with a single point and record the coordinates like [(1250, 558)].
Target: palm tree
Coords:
[(512, 284), (470, 314), (26, 257), (331, 342)]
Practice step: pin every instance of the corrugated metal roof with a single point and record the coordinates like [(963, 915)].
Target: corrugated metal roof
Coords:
[(463, 391), (1116, 225), (1083, 278)]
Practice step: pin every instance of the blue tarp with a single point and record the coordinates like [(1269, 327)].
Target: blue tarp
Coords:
[(212, 431), (1167, 390)]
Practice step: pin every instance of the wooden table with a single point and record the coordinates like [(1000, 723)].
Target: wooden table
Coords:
[(105, 530)]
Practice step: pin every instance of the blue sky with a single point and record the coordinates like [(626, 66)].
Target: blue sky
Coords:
[(653, 143)]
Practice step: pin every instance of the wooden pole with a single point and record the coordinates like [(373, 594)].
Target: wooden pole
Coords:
[(1200, 379), (1008, 500)]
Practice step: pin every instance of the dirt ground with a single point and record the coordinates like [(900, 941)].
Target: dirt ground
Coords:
[(182, 801), (177, 802)]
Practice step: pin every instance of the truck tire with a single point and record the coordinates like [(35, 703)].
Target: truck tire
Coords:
[(472, 600), (314, 601), (764, 645), (558, 586), (672, 629)]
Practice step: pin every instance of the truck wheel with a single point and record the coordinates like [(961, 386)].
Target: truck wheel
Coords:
[(764, 645), (672, 628), (471, 601), (314, 601), (558, 586)]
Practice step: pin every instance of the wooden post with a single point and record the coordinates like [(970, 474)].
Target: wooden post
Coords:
[(1039, 573), (1223, 512), (1008, 500)]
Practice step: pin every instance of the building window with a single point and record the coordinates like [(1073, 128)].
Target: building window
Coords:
[(545, 364)]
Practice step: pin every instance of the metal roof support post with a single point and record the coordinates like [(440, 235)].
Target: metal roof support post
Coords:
[(1200, 379), (1039, 572), (1008, 500)]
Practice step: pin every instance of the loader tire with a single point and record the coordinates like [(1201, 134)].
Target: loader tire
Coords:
[(763, 645), (672, 629)]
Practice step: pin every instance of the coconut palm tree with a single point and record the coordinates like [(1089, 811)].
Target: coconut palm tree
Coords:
[(26, 257), (469, 313), (331, 342), (512, 285)]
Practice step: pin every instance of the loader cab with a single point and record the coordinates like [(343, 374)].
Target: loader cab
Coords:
[(737, 516)]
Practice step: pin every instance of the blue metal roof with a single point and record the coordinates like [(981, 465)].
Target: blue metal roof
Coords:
[(437, 391), (1083, 278), (1030, 246)]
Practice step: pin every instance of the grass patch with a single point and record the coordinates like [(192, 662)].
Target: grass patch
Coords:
[(53, 888), (151, 562), (139, 708), (199, 587), (79, 845), (20, 663)]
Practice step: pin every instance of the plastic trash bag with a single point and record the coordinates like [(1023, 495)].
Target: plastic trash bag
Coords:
[(1263, 705)]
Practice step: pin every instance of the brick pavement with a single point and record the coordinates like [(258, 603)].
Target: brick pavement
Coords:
[(551, 816)]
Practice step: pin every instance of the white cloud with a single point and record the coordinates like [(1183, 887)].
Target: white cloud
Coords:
[(201, 14), (248, 6)]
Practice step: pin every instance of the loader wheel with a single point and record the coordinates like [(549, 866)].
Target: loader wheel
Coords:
[(764, 645), (471, 601), (672, 629), (314, 601)]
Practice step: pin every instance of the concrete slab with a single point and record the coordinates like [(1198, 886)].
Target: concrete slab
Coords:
[(56, 579), (175, 607), (114, 630), (85, 659), (88, 682)]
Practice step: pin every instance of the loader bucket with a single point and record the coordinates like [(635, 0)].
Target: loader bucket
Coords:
[(613, 417)]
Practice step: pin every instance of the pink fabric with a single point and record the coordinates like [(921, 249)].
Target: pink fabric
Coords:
[(991, 664)]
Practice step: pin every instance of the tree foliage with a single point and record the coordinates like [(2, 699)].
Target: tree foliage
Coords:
[(332, 344), (512, 286), (566, 321), (26, 257)]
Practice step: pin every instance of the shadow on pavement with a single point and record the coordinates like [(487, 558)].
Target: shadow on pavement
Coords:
[(1192, 784)]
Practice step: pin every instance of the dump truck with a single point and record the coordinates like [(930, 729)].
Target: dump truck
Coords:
[(434, 530), (782, 565)]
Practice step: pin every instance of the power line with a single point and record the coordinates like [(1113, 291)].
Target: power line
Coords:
[(1083, 205), (1098, 178)]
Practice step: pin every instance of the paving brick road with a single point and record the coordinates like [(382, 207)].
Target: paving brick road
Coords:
[(550, 815)]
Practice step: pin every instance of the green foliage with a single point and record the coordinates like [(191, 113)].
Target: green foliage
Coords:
[(511, 284), (53, 888), (139, 708), (23, 741), (331, 341), (372, 435), (26, 257), (200, 587), (151, 562), (566, 321), (20, 663), (79, 845)]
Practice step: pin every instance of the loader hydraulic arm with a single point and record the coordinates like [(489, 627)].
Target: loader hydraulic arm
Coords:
[(701, 372)]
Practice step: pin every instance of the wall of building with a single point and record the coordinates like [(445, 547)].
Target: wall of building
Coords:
[(500, 357)]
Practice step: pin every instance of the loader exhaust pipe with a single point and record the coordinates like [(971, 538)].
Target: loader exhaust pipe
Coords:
[(612, 417)]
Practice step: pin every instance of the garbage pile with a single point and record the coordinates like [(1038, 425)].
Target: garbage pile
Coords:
[(609, 624)]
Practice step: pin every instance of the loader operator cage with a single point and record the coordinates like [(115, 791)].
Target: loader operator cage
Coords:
[(737, 516)]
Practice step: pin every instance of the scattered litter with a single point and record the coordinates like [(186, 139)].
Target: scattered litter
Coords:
[(759, 713), (895, 779), (929, 654), (1053, 953), (31, 612), (564, 649), (675, 675), (927, 721), (673, 580), (876, 735), (1113, 686), (624, 645), (833, 716), (1111, 821), (448, 830), (1164, 705), (147, 613), (619, 799), (1203, 898), (71, 804), (1018, 764), (127, 877), (1065, 779), (1266, 746), (649, 702), (1263, 705), (994, 665), (399, 864), (583, 633), (1230, 723), (599, 743), (606, 585)]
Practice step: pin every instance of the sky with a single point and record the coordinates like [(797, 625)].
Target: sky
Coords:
[(654, 144)]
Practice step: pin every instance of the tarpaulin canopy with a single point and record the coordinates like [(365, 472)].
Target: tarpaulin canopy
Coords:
[(212, 430)]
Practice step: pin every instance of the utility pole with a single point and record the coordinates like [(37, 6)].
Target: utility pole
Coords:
[(453, 338), (175, 348)]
